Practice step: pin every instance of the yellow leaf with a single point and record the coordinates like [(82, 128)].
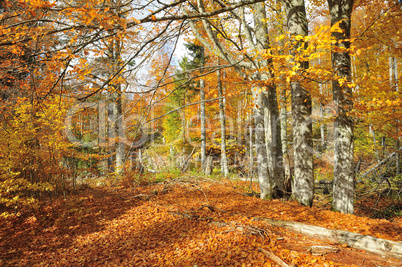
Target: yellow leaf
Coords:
[(358, 52)]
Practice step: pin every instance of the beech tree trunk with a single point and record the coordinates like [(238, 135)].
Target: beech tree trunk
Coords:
[(183, 125), (393, 73), (284, 138), (393, 82), (273, 138), (340, 12), (102, 137), (203, 130), (284, 118), (261, 149), (268, 102), (224, 159), (371, 131), (111, 134), (251, 155), (118, 110), (303, 189), (322, 130), (120, 146)]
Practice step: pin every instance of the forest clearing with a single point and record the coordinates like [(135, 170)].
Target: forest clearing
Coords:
[(200, 132)]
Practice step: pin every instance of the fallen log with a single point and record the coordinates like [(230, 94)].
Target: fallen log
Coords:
[(365, 242), (322, 250)]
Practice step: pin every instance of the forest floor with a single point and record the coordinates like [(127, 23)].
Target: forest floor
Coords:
[(181, 222)]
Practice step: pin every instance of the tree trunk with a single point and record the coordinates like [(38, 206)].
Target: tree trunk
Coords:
[(322, 114), (398, 157), (340, 11), (262, 162), (393, 82), (251, 160), (203, 130), (224, 159), (371, 131), (322, 130), (111, 133), (268, 102), (273, 138), (393, 73), (118, 110), (120, 146), (303, 189), (183, 126), (283, 114), (284, 138), (102, 137)]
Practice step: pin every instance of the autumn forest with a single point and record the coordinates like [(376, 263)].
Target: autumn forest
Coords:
[(200, 133)]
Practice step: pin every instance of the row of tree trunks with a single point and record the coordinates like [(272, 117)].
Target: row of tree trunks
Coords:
[(266, 114), (266, 111)]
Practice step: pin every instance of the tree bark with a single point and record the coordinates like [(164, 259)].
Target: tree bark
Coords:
[(224, 159), (203, 130), (261, 150), (340, 12), (118, 110), (393, 73), (102, 137), (251, 160), (303, 189), (120, 145), (322, 129), (284, 118), (269, 104), (371, 131), (393, 82), (284, 138), (273, 139), (183, 126)]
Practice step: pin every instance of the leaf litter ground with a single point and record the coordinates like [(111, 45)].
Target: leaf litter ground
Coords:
[(183, 222)]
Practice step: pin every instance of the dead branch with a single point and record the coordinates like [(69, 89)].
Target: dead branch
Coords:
[(379, 164), (185, 163), (273, 257), (257, 231), (248, 229)]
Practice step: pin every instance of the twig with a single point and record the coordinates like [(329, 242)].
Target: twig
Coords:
[(273, 257), (185, 163)]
